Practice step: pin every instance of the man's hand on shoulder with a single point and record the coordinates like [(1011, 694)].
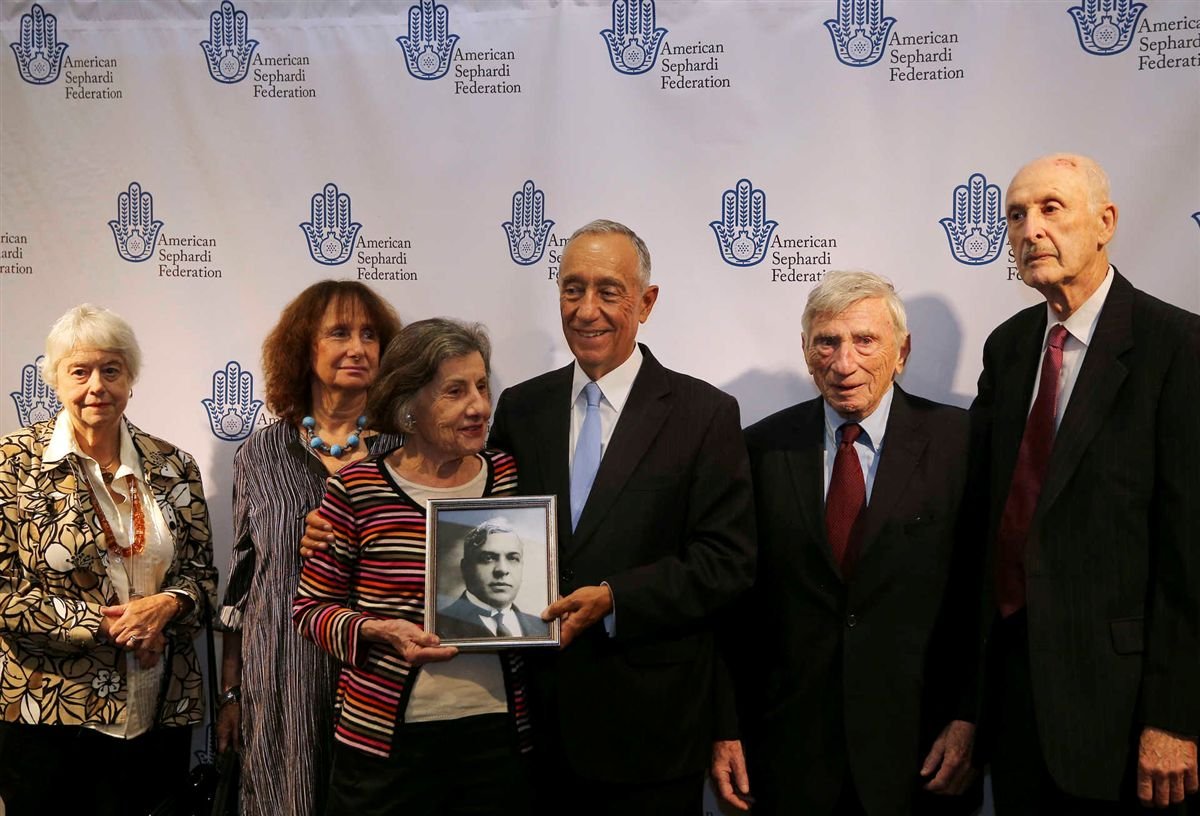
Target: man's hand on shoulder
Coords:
[(579, 610), (318, 535), (1166, 770)]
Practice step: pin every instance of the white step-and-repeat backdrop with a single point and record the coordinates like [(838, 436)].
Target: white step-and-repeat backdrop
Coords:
[(194, 165)]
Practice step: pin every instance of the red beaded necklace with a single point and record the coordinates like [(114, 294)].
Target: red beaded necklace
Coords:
[(139, 521)]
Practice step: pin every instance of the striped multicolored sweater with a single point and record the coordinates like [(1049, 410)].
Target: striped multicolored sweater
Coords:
[(376, 569)]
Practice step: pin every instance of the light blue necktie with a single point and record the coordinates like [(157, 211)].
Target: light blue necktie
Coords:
[(587, 453)]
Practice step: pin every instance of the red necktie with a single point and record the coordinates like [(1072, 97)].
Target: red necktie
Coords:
[(1028, 475), (845, 501)]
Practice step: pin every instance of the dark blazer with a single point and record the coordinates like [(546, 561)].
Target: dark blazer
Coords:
[(462, 619), (858, 675), (669, 525), (1113, 557)]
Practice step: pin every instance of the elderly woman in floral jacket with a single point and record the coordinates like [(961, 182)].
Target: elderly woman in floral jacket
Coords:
[(105, 567)]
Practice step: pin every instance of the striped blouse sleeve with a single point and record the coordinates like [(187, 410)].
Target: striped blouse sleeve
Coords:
[(319, 610)]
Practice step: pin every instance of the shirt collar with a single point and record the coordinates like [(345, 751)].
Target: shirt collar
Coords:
[(63, 442), (873, 426), (1082, 323), (615, 385), (484, 608)]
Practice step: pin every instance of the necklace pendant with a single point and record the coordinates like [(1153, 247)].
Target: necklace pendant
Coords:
[(319, 445)]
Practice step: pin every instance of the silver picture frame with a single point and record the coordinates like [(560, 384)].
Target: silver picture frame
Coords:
[(491, 568)]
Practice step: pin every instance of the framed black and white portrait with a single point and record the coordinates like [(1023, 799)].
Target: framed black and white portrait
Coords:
[(491, 568)]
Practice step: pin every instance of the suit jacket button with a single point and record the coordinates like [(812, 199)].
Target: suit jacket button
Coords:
[(852, 620), (567, 576)]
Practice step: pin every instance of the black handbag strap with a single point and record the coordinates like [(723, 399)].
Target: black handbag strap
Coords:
[(213, 680)]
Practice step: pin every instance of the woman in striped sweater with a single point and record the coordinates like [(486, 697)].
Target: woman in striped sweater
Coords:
[(420, 728)]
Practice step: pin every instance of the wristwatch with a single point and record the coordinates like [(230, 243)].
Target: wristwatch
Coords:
[(230, 695)]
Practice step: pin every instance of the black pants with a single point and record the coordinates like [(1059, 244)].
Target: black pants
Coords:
[(562, 792), (69, 769), (464, 767)]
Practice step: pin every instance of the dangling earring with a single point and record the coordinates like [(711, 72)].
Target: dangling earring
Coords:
[(409, 424)]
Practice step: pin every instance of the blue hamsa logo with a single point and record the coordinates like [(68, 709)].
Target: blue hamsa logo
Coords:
[(859, 32), (39, 53), (743, 231), (429, 45), (228, 48), (1105, 27), (976, 228), (529, 228), (232, 408), (634, 39), (36, 401), (134, 228), (330, 230)]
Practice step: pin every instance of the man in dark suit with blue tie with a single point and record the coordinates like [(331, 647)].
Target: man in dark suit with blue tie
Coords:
[(1085, 418), (655, 537), (858, 693)]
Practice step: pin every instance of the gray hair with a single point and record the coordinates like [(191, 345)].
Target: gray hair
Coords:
[(411, 361), (839, 290), (478, 535), (90, 327), (602, 226)]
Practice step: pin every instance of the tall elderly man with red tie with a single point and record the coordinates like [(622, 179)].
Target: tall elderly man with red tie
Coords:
[(1093, 478)]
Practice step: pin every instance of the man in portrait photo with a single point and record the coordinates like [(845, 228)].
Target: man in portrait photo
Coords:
[(492, 564)]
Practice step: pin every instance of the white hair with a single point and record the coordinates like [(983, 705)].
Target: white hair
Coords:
[(90, 327), (839, 290)]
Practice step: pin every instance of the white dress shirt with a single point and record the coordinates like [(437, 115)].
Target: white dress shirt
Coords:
[(487, 614), (869, 444), (1080, 326), (614, 389)]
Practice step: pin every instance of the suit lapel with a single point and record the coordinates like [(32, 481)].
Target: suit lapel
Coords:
[(904, 443), (1013, 394), (805, 464), (1096, 387), (552, 426), (645, 411)]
